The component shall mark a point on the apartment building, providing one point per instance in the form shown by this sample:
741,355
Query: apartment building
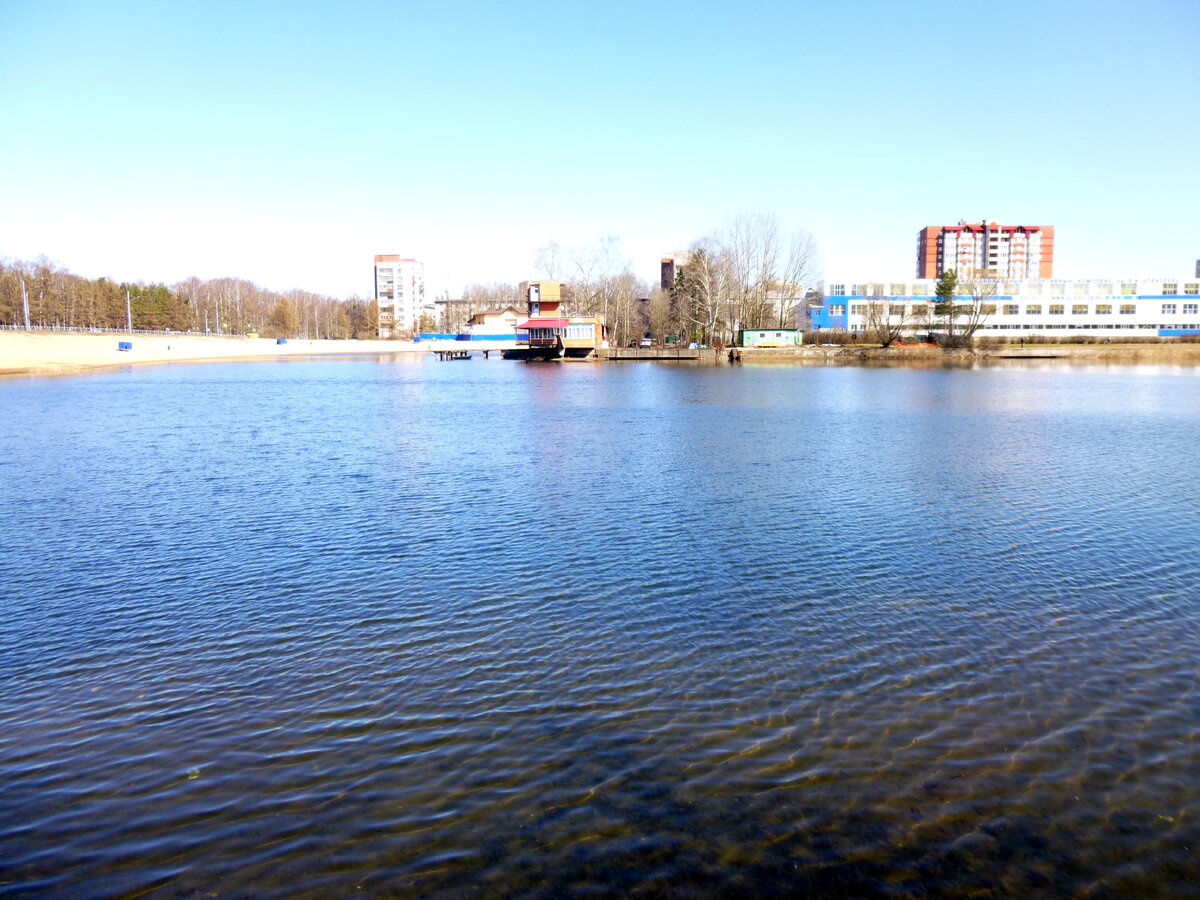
1103,307
400,295
1009,251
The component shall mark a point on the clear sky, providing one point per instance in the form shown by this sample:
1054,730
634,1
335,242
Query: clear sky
289,142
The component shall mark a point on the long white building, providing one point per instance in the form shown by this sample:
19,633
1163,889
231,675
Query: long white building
1107,307
400,294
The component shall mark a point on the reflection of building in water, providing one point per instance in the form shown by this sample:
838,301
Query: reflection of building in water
1090,306
549,332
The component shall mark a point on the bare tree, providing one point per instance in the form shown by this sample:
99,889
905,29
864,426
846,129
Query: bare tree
800,265
753,242
980,289
886,320
660,312
770,278
548,260
704,292
595,268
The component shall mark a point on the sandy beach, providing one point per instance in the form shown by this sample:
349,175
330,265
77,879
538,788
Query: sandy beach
57,353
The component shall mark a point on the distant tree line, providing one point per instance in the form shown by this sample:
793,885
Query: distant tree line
226,306
748,274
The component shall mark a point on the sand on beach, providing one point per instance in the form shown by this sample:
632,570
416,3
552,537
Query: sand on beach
64,353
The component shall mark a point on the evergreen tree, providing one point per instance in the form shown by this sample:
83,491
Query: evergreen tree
944,307
947,287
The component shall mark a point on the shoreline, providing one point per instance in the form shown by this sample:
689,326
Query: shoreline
37,353
46,353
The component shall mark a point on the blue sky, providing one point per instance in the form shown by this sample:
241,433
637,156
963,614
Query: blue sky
289,142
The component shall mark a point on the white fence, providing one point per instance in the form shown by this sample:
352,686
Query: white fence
70,329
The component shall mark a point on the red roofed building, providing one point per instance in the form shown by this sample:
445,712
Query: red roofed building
549,332
1007,251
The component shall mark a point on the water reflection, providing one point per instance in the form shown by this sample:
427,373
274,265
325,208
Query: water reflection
406,628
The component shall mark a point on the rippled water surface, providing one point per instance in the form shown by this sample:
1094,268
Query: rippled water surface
405,628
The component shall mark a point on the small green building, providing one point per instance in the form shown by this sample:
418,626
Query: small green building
772,337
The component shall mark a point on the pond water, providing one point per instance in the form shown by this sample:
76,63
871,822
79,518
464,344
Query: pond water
394,627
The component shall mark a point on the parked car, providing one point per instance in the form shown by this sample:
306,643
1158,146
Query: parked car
645,342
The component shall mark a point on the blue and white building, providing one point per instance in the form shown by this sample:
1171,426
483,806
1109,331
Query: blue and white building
1105,307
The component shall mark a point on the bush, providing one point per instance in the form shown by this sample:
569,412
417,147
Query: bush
1096,339
839,338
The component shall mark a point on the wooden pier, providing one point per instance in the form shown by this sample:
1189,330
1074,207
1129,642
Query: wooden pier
444,355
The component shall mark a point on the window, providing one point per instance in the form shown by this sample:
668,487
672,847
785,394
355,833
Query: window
1168,309
1104,309
1079,309
1056,309
896,290
1033,289
858,309
1170,288
837,290
837,309
1010,288
1033,309
1011,309
919,309
1080,289
1191,288
1128,309
1104,288
896,309
1128,290
1189,309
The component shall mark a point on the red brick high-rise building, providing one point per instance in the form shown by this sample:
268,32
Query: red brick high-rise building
1008,251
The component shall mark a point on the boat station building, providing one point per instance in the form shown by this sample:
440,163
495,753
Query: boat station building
1156,307
549,331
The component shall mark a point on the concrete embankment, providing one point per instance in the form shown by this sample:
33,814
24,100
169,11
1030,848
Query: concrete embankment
1128,354
65,353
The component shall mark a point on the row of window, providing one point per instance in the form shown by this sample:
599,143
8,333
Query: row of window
1014,309
1078,289
1106,327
